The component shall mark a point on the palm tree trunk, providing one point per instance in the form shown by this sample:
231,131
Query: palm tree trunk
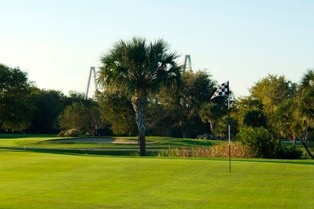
307,149
212,124
138,103
303,142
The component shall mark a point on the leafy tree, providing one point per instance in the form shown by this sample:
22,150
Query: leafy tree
116,110
242,106
15,107
255,118
215,111
184,104
47,105
159,119
221,127
271,92
139,69
210,113
78,97
81,117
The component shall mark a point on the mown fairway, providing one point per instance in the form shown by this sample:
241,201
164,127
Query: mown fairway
41,180
65,145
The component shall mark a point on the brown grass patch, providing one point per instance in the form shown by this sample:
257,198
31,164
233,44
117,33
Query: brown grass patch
237,150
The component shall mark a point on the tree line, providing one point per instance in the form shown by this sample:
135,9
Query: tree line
145,91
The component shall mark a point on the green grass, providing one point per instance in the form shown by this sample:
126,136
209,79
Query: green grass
42,180
53,143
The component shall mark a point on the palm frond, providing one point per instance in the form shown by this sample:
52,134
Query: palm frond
138,66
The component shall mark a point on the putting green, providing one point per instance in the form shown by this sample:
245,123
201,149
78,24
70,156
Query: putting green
39,180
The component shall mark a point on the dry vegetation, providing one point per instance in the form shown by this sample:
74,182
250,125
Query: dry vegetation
237,150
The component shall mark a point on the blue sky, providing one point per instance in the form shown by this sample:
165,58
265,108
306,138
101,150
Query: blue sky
56,41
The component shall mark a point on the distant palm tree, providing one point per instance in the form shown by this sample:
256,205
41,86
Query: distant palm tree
139,69
304,108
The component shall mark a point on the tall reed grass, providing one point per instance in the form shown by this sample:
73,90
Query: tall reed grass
237,150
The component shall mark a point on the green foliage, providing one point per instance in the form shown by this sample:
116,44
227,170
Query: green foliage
259,140
139,69
184,104
159,119
116,110
286,121
304,103
271,91
241,106
255,118
289,152
264,145
81,117
211,113
72,133
47,105
271,105
222,127
15,106
303,110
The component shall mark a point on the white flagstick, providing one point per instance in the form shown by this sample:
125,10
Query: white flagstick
223,90
229,144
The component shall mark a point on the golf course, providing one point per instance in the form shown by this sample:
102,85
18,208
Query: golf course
157,104
42,178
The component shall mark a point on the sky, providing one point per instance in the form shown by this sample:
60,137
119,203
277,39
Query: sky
57,41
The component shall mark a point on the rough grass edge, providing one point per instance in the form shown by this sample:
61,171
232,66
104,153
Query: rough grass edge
237,150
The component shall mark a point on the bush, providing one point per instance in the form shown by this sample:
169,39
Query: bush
205,136
264,145
61,133
286,152
70,133
259,140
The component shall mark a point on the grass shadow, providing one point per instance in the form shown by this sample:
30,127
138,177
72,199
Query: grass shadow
104,152
15,136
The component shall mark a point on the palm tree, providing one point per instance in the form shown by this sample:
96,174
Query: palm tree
304,108
139,69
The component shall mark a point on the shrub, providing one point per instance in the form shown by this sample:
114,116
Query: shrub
72,133
61,133
286,152
264,145
259,140
205,136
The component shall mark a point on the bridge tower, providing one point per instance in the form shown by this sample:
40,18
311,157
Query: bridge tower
91,71
187,61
